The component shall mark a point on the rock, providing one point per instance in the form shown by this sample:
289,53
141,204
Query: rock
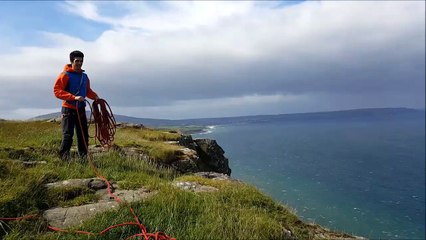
200,155
188,142
194,187
92,183
187,154
126,195
70,183
186,160
72,216
287,234
212,157
185,166
134,152
97,184
213,175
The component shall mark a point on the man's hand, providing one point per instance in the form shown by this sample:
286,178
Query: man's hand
79,98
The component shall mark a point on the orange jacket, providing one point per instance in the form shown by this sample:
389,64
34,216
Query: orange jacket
61,84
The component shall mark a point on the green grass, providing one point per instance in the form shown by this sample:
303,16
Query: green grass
236,211
29,134
150,142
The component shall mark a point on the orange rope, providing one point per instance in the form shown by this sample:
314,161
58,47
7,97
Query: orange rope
104,122
105,130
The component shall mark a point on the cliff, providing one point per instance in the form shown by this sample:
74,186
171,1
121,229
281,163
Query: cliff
175,184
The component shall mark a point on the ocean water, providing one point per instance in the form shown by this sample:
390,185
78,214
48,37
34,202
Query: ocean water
364,177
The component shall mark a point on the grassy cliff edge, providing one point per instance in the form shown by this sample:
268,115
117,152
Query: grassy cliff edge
28,161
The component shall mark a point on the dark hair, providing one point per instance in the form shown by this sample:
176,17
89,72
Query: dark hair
75,54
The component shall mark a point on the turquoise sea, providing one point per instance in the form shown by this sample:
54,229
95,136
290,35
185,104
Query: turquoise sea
361,176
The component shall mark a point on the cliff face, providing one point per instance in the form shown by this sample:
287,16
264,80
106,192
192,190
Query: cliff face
201,155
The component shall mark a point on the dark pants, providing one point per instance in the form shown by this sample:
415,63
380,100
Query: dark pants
69,122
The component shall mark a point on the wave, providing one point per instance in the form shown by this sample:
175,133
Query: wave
208,129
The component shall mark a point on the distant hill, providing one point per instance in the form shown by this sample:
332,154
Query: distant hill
119,118
354,114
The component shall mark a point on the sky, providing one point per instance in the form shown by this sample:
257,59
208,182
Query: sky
201,59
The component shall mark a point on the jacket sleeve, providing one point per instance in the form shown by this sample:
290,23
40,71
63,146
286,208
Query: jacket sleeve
59,88
90,93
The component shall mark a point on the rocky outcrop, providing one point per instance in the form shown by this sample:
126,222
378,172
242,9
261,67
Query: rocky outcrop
200,155
197,187
187,141
73,216
213,175
65,217
212,158
92,183
186,160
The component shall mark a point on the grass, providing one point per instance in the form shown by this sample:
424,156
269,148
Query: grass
236,211
151,142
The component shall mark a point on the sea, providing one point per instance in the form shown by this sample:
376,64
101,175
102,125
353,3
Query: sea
363,176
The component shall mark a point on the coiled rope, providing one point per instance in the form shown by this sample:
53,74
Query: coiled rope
104,133
104,122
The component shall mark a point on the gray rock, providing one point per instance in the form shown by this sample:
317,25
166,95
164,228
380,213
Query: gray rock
212,157
72,216
187,141
194,187
125,195
70,183
97,184
93,183
287,234
213,175
185,165
186,160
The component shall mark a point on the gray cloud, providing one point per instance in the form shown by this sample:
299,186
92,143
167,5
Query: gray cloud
307,57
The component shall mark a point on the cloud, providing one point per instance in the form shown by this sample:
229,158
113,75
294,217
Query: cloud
162,16
168,59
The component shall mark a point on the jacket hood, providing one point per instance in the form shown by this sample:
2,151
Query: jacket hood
68,68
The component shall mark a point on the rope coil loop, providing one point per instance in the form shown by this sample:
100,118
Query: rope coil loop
105,125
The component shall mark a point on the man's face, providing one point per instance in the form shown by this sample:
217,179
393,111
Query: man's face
77,63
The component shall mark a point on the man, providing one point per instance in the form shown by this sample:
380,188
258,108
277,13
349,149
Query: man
73,86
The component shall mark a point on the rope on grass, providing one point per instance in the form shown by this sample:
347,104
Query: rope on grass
105,130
